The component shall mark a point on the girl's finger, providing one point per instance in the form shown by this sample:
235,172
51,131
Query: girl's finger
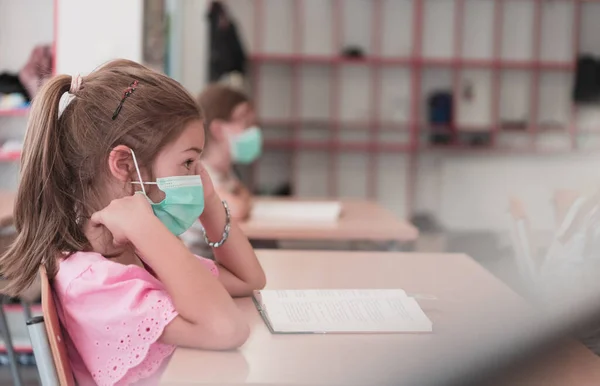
118,244
202,173
206,181
198,168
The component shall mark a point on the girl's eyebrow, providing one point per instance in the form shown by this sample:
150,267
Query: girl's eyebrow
193,148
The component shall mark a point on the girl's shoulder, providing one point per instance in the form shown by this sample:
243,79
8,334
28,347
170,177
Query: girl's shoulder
90,270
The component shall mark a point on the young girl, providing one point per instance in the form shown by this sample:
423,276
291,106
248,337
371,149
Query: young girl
109,179
232,138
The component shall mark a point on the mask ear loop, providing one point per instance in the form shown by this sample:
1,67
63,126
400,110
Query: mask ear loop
137,169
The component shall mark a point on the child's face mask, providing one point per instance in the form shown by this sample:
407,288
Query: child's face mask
183,203
246,146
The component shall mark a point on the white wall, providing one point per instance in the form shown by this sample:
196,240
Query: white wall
194,45
175,47
465,192
90,33
21,30
474,189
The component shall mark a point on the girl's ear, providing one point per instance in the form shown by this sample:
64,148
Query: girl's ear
120,163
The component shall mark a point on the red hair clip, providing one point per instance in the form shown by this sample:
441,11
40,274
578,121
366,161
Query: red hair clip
127,93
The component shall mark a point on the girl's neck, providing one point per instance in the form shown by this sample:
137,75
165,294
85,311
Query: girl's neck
101,242
129,257
217,157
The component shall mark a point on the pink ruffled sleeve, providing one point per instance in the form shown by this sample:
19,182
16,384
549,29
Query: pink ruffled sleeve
114,315
210,265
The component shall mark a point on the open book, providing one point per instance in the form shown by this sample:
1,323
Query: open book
341,311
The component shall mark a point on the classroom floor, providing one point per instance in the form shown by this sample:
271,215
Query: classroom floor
492,251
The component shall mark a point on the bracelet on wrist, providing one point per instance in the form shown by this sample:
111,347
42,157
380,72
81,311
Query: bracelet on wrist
225,231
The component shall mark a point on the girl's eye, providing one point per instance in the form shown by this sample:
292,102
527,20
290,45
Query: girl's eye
188,164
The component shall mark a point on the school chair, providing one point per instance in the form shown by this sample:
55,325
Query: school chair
47,341
8,345
563,199
7,233
522,242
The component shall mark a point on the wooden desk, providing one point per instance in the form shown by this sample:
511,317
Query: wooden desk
7,203
457,281
359,221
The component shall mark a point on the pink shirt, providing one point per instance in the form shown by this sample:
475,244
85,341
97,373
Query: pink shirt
113,316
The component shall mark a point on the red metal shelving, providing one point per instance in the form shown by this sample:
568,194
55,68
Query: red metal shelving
334,99
427,62
416,63
356,146
327,123
14,112
35,308
9,156
495,149
576,48
21,345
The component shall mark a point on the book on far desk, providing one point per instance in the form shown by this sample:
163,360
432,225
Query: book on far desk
297,211
341,311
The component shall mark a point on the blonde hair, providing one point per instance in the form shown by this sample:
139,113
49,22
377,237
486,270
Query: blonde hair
65,158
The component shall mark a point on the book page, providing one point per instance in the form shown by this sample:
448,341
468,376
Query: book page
343,311
332,293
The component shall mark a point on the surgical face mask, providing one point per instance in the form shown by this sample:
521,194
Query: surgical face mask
183,202
246,147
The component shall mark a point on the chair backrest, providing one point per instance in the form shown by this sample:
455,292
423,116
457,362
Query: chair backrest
522,242
563,200
55,336
41,350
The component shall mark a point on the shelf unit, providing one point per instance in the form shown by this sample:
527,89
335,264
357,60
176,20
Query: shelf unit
416,62
413,61
12,55
512,52
22,112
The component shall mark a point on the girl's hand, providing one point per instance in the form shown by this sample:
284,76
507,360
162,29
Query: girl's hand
207,184
213,216
124,216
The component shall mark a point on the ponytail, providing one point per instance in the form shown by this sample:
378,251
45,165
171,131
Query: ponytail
45,208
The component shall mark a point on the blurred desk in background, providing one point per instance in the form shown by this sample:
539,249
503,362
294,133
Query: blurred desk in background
358,221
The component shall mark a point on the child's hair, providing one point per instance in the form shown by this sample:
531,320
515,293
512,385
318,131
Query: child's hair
218,101
65,159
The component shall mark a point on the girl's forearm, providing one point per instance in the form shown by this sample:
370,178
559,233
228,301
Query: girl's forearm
198,297
236,254
238,205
